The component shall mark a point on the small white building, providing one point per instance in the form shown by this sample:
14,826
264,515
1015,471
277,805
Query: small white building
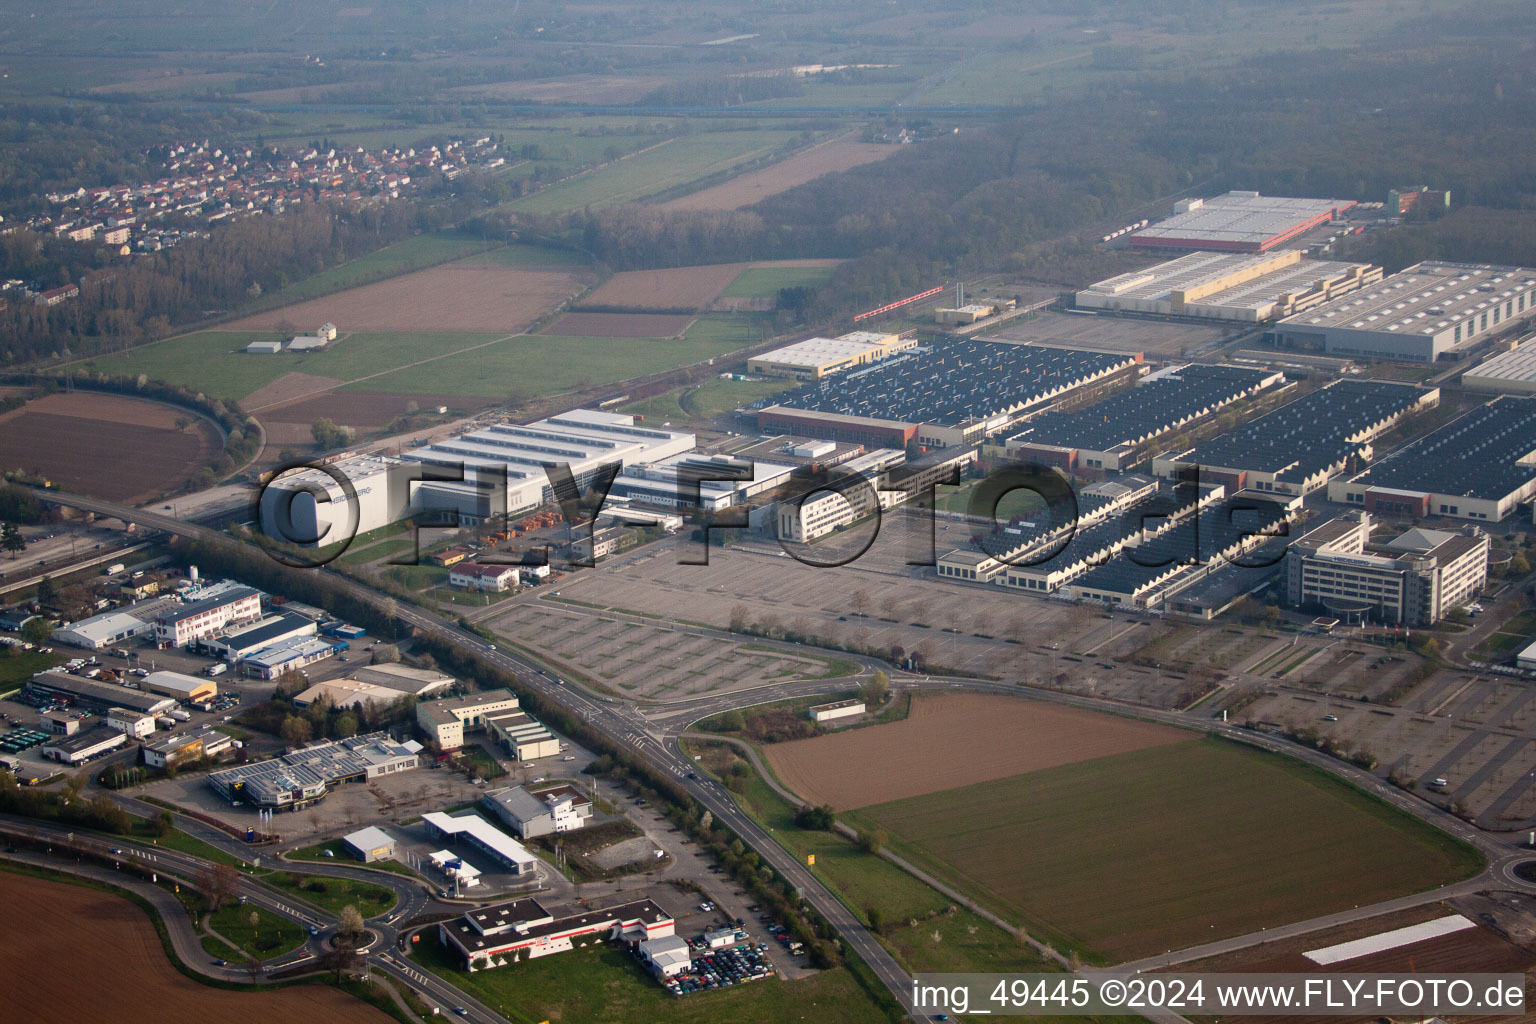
837,709
327,331
134,724
370,844
719,938
83,746
479,576
264,348
666,956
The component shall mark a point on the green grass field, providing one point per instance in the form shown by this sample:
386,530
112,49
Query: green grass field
17,666
602,982
707,400
762,282
1125,856
215,361
332,894
533,365
270,936
527,256
667,166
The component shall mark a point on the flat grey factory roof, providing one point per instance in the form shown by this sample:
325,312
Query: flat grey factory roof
1422,299
1241,218
1196,268
1518,364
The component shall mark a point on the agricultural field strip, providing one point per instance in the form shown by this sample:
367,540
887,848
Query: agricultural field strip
358,380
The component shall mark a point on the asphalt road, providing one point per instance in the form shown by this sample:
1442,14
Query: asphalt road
657,744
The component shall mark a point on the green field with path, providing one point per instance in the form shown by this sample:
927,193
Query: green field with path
1133,854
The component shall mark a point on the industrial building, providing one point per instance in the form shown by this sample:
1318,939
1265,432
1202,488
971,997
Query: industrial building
404,678
1417,315
816,510
183,687
837,709
1299,447
1511,373
102,630
370,844
446,721
558,810
1480,466
1415,579
483,836
666,956
1239,222
948,394
83,746
480,576
96,696
1053,545
177,749
699,480
1401,200
503,465
290,656
310,508
208,612
815,358
301,777
347,693
245,640
521,735
523,930
1113,434
1149,569
136,725
1242,287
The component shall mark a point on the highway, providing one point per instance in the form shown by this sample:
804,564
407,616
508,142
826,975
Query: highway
656,740
619,722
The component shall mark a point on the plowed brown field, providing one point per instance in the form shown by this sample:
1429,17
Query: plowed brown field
109,446
678,288
443,300
953,741
77,954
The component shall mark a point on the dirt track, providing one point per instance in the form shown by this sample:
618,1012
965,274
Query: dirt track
948,742
91,956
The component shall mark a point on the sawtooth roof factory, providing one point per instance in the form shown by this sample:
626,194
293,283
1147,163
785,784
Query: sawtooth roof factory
1418,314
1480,466
1107,434
1299,447
1239,222
1229,286
953,392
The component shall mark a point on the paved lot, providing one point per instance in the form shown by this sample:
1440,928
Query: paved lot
389,798
1111,334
